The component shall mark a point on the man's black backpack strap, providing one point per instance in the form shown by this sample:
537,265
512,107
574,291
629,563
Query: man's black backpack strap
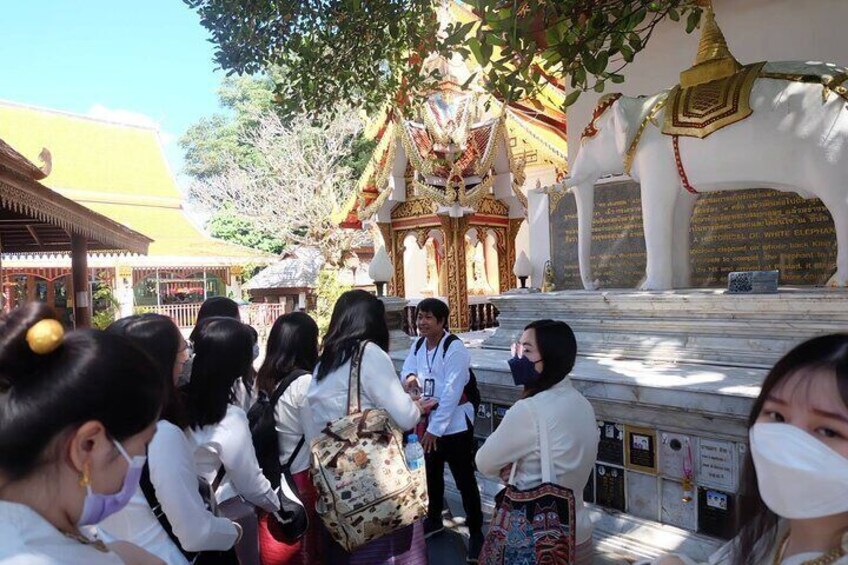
150,495
471,391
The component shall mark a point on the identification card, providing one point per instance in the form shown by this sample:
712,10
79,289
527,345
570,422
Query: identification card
429,388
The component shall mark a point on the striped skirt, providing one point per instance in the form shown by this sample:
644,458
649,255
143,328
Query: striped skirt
404,547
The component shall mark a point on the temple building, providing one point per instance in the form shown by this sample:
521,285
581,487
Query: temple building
446,190
119,170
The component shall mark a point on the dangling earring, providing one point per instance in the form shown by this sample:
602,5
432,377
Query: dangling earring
85,479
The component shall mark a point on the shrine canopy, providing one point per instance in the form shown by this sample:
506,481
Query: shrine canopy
522,134
119,170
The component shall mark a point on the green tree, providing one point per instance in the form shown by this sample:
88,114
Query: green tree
226,225
365,53
328,289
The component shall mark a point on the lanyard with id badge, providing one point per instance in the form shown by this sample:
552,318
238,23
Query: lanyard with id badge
429,381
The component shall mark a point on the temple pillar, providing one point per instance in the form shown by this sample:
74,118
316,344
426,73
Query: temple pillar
79,273
395,250
457,286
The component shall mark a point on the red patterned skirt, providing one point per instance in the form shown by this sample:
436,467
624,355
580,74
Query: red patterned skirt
309,550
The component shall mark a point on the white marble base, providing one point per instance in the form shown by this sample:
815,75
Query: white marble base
681,326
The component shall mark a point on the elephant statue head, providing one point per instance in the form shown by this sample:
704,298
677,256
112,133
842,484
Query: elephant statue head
604,144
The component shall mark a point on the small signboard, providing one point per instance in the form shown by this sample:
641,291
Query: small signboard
611,442
483,420
716,513
498,414
641,449
609,487
717,464
677,455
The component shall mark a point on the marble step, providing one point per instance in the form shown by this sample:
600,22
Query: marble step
680,326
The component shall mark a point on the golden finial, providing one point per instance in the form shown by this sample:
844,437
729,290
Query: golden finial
714,59
45,336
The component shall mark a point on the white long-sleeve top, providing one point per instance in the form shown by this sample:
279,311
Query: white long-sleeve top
28,539
572,439
290,417
449,371
379,388
174,478
229,443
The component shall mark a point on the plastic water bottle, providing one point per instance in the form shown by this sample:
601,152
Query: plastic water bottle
414,453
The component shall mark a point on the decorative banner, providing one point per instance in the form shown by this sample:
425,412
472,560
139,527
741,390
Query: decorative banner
742,230
641,449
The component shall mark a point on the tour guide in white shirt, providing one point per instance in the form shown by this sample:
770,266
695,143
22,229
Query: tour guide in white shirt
450,434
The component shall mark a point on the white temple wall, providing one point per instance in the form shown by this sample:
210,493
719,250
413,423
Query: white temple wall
414,268
756,30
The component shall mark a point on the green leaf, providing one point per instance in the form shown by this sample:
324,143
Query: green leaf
693,20
674,15
476,49
599,86
571,98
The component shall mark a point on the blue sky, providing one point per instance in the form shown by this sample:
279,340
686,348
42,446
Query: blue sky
138,60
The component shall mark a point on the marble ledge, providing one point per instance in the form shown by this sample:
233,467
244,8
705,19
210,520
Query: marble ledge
724,391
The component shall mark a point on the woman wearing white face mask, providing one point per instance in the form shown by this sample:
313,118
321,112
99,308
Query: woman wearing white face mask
72,438
797,469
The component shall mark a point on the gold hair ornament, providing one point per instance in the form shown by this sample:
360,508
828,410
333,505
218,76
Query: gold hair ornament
45,336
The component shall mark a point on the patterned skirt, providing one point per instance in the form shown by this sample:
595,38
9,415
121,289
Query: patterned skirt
309,550
403,547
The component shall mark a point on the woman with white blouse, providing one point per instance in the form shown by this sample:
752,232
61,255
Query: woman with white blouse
77,412
547,352
359,316
287,371
219,431
171,472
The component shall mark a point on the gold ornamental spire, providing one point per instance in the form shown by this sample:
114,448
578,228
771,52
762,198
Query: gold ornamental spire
714,59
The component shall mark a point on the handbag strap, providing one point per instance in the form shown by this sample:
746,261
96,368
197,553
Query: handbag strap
353,390
544,452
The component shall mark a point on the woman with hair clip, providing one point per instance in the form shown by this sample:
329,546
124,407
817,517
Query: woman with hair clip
72,438
358,317
167,516
286,373
796,470
219,430
550,408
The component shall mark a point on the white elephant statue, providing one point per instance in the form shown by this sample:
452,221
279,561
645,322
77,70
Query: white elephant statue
796,140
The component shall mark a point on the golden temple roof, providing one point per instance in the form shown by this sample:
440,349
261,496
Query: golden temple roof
118,170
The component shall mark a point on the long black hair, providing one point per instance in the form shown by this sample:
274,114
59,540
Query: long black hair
292,344
216,306
92,375
758,524
159,337
558,349
357,316
223,351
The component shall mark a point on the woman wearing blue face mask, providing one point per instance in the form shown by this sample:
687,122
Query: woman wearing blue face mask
797,465
72,437
551,412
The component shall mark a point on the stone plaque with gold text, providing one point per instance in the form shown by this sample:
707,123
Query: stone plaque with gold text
742,230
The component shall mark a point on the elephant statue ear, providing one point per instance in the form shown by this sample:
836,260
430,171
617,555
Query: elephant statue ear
626,118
